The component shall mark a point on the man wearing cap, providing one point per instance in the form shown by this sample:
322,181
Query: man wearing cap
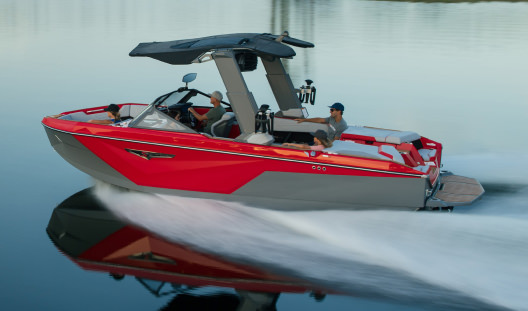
112,112
212,115
336,124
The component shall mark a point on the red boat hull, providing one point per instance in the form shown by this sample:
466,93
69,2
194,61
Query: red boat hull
195,165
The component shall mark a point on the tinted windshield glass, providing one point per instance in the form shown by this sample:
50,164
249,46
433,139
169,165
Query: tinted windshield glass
173,98
154,119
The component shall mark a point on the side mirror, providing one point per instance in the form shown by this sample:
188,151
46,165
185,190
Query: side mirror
190,77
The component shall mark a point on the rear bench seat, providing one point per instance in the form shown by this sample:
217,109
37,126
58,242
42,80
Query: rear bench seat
379,135
384,152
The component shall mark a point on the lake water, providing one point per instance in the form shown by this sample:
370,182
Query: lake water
453,72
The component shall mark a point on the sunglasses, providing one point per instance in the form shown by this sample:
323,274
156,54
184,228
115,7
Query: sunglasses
332,110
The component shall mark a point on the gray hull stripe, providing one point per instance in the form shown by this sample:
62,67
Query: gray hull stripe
239,154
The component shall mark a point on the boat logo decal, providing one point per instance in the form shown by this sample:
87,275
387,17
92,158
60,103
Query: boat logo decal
147,155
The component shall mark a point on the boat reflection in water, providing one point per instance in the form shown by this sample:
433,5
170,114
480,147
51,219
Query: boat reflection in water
95,239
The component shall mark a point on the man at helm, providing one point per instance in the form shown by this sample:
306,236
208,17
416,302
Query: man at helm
212,115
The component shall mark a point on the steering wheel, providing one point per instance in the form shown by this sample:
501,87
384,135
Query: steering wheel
192,118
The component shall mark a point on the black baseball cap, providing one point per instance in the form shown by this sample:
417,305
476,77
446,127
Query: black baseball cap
112,108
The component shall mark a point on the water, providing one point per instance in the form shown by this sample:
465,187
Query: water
453,72
426,257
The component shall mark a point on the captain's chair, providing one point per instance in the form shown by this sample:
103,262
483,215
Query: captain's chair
222,127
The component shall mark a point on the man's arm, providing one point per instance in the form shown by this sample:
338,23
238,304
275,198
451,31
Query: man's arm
104,122
297,146
313,120
198,116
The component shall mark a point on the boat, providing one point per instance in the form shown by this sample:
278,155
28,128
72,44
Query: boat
95,239
243,159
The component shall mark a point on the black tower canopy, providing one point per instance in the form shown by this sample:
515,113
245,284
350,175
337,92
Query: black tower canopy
182,52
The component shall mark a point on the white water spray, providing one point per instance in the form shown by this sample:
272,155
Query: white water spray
482,257
454,261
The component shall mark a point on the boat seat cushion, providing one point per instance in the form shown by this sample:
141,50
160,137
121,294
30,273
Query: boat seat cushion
422,168
83,117
427,154
384,152
391,152
379,135
222,127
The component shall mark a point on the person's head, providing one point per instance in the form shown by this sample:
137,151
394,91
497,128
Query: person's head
336,108
321,138
216,98
112,111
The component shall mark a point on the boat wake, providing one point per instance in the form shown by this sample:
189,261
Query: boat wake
456,261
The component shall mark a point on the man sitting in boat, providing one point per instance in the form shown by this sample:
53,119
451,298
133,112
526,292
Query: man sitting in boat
113,114
212,115
321,141
336,124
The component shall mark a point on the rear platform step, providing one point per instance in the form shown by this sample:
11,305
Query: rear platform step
454,191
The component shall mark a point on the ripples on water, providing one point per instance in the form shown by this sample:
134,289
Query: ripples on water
470,259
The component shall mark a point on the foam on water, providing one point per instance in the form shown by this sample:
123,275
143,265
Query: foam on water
455,260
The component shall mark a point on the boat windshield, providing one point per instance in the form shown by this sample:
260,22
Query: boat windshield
151,118
171,98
